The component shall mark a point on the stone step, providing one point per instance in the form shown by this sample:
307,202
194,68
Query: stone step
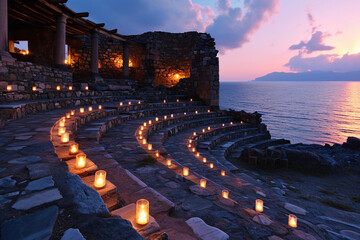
105,191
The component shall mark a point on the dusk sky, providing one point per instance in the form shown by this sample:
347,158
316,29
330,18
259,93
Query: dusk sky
255,37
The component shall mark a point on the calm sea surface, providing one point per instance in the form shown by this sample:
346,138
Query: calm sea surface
307,112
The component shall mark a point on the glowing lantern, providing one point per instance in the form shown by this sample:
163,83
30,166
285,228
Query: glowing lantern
157,154
34,88
193,149
100,179
142,212
190,140
259,205
72,112
144,124
139,102
70,88
191,100
189,145
142,128
149,147
150,122
223,173
194,133
208,110
80,160
209,128
129,103
204,160
203,130
156,119
164,101
211,165
68,115
61,123
231,123
198,154
203,183
90,109
168,162
177,100
223,125
292,221
165,117
225,194
58,88
140,137
172,115
100,107
144,141
82,110
140,132
74,148
185,113
121,103
87,88
8,88
65,137
241,122
177,76
185,171
196,112
61,130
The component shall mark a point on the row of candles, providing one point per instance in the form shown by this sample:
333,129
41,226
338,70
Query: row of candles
259,204
34,88
142,205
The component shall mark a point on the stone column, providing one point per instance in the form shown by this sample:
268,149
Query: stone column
4,34
95,55
60,39
126,60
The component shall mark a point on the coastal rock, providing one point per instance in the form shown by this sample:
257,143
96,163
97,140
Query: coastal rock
25,160
352,143
204,231
7,182
72,234
40,184
294,209
36,199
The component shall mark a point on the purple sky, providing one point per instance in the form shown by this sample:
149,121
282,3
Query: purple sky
255,37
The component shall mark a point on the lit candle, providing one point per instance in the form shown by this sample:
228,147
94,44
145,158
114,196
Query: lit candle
74,148
208,110
61,130
185,171
231,123
100,179
90,109
259,205
139,102
165,117
34,88
140,137
156,119
203,130
223,125
196,112
292,221
82,110
61,123
70,88
172,115
193,149
198,154
203,183
177,100
129,103
194,133
100,107
190,140
142,212
223,173
121,103
211,165
65,137
140,132
157,154
204,160
185,113
149,147
144,124
80,160
142,128
241,122
209,128
164,101
225,194
58,88
191,100
189,145
8,88
144,141
150,122
72,112
168,162
87,88
68,115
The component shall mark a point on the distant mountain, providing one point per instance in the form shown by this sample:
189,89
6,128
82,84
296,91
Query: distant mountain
311,76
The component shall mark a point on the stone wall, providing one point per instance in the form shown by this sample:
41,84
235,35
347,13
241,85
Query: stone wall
24,75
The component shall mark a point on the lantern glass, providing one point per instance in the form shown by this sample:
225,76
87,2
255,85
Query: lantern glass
165,117
129,103
184,113
68,115
140,137
204,160
196,112
70,88
209,128
62,123
203,183
61,130
149,147
193,149
8,88
198,154
82,110
185,171
142,212
150,122
145,124
211,165
58,88
259,205
172,115
139,102
87,88
225,194
292,221
203,130
80,160
164,101
100,179
90,109
74,148
194,133
72,112
100,107
144,141
223,173
34,88
168,162
157,154
177,100
142,128
121,103
65,137
156,119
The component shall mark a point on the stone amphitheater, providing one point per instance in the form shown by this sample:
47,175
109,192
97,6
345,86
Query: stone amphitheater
170,145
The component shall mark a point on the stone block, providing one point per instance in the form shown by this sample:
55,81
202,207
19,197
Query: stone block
107,190
40,184
72,234
90,167
204,231
37,199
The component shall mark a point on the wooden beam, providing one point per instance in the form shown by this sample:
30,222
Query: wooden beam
100,25
58,1
82,14
113,31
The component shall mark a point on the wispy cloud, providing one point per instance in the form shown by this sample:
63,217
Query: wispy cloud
316,43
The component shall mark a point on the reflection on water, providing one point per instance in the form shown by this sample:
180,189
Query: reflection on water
308,112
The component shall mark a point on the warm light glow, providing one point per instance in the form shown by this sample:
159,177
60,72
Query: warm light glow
157,154
177,100
203,130
72,112
208,110
150,122
90,109
193,149
144,141
189,145
121,103
70,88
165,117
58,88
140,132
100,107
8,88
203,183
144,124
259,205
142,128
198,154
164,101
74,148
100,179
168,162
61,123
185,171
191,100
34,88
185,113
82,110
156,119
223,125
65,137
142,212
225,194
87,88
209,128
139,102
194,133
204,160
61,130
80,160
231,123
68,115
223,173
176,76
172,115
140,137
292,221
190,140
241,122
129,103
196,112
149,147
211,165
